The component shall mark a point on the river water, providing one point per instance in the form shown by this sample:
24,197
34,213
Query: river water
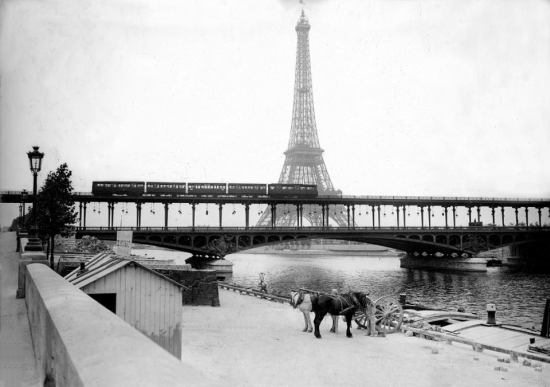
520,297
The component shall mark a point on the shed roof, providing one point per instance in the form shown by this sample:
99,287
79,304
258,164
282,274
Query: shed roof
104,264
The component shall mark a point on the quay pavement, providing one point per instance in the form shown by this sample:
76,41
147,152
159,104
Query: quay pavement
17,361
253,342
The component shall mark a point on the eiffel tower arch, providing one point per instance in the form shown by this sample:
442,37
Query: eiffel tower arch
304,162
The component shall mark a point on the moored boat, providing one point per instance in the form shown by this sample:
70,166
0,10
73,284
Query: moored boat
468,328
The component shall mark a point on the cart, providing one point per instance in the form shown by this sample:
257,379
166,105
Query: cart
388,314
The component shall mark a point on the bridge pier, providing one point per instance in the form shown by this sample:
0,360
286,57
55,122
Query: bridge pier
432,262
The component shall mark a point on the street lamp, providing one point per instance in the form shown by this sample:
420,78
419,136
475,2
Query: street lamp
35,160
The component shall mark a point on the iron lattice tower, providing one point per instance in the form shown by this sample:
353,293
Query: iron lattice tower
304,162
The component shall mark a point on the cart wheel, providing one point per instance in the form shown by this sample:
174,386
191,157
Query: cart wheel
360,317
388,314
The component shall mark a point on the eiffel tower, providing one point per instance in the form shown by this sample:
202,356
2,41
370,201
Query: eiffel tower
304,162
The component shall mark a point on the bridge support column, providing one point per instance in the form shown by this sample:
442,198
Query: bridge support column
138,215
429,217
193,210
493,214
301,215
109,224
446,221
113,215
404,216
166,215
454,216
221,211
349,225
478,214
540,217
422,216
273,214
502,211
527,216
378,217
517,220
373,219
85,205
79,214
247,215
397,213
327,217
469,214
444,263
353,216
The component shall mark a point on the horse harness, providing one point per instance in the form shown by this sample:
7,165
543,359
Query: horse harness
300,299
351,303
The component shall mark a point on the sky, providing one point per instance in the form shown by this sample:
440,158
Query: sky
415,98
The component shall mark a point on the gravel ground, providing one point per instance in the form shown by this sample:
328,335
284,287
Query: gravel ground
252,342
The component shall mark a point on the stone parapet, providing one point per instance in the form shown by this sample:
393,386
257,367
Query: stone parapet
26,258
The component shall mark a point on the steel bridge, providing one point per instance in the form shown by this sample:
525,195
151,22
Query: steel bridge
322,204
450,240
216,242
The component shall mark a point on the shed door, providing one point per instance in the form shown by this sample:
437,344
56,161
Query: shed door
108,300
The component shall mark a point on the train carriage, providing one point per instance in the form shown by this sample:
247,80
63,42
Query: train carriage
172,189
166,188
246,189
292,190
110,188
206,188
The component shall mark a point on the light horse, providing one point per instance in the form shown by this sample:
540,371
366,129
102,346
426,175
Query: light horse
303,302
345,305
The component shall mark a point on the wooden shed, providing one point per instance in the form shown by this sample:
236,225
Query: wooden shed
145,299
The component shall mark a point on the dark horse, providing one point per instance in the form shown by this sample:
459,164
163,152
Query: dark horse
345,305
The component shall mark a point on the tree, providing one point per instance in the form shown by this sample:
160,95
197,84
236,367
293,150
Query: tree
55,207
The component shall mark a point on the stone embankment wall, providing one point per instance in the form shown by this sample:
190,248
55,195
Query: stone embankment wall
203,284
78,342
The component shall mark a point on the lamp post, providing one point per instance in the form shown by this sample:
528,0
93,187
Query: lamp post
35,160
24,195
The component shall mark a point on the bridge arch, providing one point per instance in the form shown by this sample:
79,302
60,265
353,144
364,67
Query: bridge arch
428,238
441,239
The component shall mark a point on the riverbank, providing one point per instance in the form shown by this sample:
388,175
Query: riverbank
252,342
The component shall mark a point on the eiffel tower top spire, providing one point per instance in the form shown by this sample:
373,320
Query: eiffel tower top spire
303,132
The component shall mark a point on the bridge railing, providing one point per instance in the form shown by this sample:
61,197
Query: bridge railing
367,197
314,229
457,198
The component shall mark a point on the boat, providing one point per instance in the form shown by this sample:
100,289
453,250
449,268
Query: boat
470,329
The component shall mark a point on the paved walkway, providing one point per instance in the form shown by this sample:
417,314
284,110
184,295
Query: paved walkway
17,363
253,342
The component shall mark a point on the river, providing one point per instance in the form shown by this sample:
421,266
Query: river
519,296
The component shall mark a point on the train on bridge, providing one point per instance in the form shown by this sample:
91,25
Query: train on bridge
175,189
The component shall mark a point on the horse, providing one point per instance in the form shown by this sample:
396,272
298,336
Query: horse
303,301
345,305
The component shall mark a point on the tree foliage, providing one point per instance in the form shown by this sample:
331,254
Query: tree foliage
55,207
